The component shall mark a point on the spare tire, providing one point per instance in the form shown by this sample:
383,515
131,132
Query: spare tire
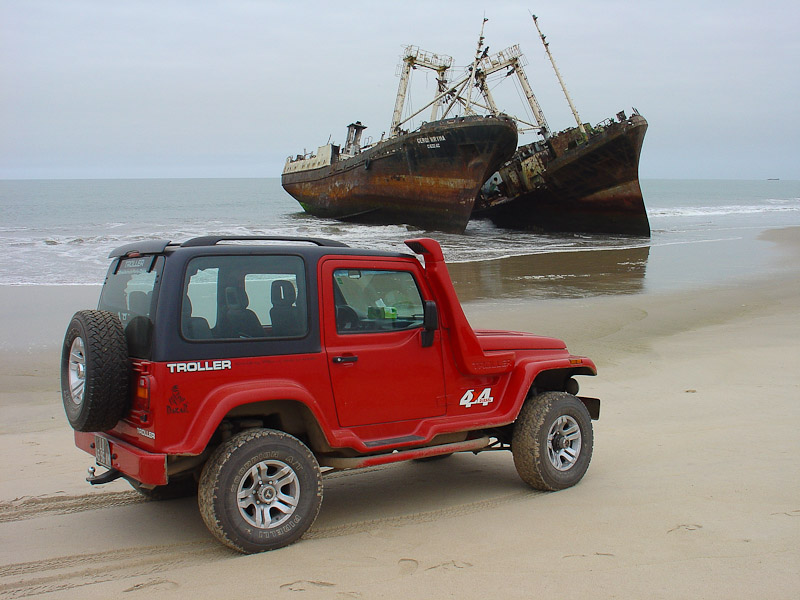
95,371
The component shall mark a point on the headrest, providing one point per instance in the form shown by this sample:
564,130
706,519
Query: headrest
283,293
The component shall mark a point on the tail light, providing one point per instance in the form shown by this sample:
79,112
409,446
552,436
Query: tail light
140,405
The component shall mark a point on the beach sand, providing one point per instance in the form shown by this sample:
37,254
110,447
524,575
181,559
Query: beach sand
693,490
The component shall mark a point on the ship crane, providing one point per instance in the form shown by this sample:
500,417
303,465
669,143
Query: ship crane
513,59
460,92
413,57
510,58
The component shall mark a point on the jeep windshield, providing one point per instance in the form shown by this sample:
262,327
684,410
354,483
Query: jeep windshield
130,292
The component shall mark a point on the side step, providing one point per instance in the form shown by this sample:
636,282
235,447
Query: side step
372,460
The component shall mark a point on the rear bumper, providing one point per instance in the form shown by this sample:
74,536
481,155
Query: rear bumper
134,463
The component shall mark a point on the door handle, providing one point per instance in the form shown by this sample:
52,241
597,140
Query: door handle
344,359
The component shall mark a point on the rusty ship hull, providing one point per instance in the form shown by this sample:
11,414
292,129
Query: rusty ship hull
428,178
574,183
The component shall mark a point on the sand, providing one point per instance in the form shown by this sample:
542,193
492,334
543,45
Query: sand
693,490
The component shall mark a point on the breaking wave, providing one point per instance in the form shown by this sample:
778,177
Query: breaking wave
773,206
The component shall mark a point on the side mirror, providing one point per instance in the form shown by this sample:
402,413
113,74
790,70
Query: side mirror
430,323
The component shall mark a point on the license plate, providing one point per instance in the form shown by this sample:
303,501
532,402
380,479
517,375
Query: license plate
102,451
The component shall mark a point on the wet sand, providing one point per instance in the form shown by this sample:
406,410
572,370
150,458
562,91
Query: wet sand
692,491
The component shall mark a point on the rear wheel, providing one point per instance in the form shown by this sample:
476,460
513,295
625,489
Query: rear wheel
260,490
94,371
552,441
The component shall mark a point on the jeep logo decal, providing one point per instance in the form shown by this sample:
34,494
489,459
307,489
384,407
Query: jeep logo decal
203,365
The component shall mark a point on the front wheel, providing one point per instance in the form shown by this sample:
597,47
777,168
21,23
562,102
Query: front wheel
260,490
552,441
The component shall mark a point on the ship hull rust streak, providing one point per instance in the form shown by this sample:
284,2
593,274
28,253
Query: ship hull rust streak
429,178
590,188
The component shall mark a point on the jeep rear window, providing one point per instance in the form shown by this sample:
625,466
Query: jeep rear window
244,297
129,292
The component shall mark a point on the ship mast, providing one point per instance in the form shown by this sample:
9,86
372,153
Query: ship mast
558,75
473,69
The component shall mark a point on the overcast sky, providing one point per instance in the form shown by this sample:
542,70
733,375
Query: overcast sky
193,88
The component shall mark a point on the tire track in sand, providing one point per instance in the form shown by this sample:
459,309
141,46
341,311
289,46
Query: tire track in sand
61,573
418,517
20,580
29,507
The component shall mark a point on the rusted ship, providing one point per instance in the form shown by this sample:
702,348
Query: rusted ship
429,177
573,182
583,179
453,169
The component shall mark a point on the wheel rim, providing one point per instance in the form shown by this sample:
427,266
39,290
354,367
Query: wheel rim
268,494
77,370
564,443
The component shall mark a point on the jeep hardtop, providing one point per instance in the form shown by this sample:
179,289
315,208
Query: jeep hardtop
241,369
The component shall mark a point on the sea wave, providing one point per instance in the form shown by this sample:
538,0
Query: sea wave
46,241
716,211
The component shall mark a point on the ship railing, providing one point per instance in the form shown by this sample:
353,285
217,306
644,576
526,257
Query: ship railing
437,62
605,123
504,56
299,157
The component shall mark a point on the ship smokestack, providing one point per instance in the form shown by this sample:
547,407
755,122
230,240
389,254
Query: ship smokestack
353,144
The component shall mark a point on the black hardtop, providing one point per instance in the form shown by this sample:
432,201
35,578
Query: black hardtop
315,247
166,342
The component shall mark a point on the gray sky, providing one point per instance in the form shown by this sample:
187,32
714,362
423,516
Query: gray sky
193,88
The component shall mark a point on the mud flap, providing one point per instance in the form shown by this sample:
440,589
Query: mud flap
592,405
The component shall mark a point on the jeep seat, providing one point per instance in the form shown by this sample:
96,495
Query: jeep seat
284,315
238,321
194,328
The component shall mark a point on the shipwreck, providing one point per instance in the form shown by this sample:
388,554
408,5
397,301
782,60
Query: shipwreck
456,168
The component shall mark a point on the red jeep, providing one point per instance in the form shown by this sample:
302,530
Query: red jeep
243,368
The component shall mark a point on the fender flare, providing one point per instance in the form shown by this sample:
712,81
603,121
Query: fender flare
226,398
526,373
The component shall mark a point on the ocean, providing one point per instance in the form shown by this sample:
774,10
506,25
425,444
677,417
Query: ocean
703,232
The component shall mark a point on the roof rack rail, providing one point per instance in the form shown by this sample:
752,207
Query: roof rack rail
213,240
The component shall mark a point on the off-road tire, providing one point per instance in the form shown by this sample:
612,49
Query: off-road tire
236,467
94,358
533,447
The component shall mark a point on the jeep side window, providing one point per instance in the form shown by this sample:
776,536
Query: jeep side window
376,300
244,297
